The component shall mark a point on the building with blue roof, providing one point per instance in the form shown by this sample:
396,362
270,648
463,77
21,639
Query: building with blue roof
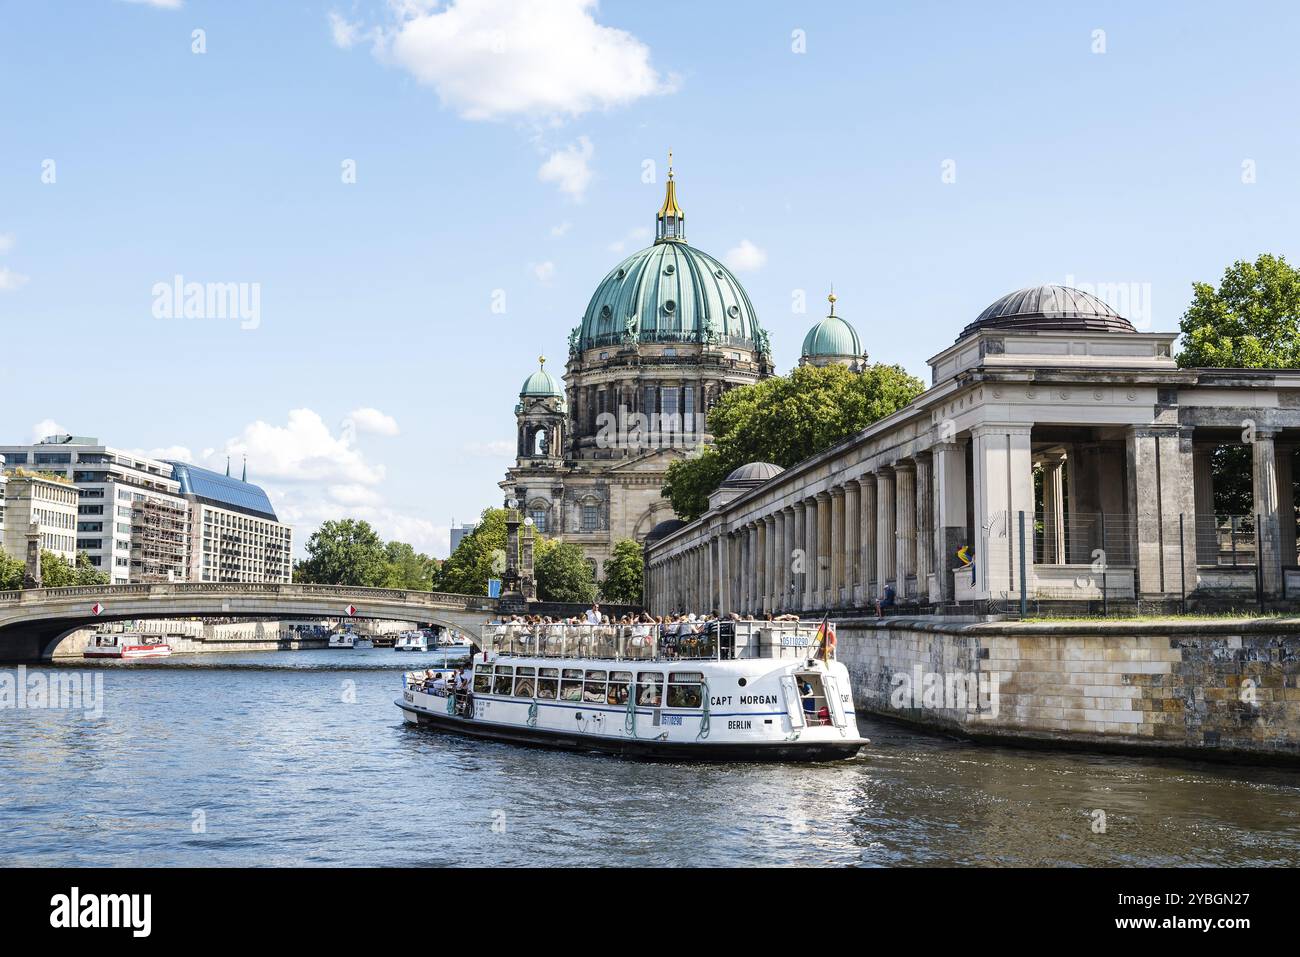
235,533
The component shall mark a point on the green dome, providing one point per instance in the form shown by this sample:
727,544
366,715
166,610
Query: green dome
541,384
670,292
831,337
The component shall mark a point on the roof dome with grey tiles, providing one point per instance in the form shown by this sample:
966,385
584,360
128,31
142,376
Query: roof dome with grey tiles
753,473
1049,309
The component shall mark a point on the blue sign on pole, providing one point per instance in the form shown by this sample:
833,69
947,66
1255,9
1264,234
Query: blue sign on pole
494,588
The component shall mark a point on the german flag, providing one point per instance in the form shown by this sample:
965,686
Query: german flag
826,638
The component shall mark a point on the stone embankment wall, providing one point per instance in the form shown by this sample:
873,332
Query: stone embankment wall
1215,689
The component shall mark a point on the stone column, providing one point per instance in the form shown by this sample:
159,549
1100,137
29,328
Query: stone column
798,566
905,527
1286,504
867,562
1265,485
924,526
1160,489
852,543
823,590
754,566
1207,544
770,564
836,598
886,544
950,519
1003,488
1053,511
781,584
764,565
810,554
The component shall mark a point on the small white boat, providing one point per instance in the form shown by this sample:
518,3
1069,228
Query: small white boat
411,641
728,691
343,639
127,645
454,643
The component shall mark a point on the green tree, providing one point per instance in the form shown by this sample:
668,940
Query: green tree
346,552
1251,321
623,574
11,572
56,571
563,572
84,573
784,420
407,569
480,555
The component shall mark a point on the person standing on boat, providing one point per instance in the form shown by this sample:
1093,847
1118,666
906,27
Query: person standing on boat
593,614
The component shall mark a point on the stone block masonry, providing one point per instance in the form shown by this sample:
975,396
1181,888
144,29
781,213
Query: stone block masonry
1207,689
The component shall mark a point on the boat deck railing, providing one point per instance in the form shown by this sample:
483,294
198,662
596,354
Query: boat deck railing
717,640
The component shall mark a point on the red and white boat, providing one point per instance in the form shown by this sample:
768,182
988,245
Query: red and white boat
127,645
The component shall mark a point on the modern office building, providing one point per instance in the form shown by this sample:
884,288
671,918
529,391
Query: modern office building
111,482
46,505
234,534
458,533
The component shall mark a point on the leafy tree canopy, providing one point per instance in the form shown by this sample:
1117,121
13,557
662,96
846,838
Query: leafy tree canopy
480,555
11,572
345,552
58,572
624,574
1251,321
784,420
563,572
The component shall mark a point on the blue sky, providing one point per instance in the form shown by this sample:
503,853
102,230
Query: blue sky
924,157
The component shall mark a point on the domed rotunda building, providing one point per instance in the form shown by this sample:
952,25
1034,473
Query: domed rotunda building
666,333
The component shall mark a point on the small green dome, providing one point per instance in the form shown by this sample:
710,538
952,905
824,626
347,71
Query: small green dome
541,384
831,337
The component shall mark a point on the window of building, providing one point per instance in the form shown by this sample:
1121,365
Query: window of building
590,518
648,400
538,516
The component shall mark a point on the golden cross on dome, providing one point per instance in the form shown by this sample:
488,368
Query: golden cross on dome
831,299
670,164
541,361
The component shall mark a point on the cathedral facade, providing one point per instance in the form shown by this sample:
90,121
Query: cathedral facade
667,332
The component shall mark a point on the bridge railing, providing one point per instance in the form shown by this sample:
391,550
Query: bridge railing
342,593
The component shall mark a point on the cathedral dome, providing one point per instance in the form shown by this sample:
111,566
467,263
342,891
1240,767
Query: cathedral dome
753,472
670,292
541,384
1049,309
832,338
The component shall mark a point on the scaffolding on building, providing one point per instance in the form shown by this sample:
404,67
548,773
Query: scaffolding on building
160,536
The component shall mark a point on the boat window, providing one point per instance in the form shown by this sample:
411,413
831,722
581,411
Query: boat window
594,689
620,683
525,681
684,689
649,689
504,676
571,685
483,681
548,684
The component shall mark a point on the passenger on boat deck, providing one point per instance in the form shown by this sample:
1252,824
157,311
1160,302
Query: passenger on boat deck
809,701
593,614
439,686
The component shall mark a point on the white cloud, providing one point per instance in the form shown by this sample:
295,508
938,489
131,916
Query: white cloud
491,449
354,495
368,421
10,280
171,453
7,241
161,4
46,427
544,271
490,59
303,449
569,168
635,237
746,257
345,33
560,230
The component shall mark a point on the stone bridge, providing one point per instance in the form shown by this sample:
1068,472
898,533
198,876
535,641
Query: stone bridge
34,621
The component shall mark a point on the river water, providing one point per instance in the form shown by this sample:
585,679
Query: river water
283,758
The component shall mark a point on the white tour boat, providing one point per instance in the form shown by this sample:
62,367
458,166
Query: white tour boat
411,641
342,639
733,690
127,645
454,643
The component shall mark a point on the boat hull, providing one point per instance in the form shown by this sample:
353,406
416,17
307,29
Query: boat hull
634,747
144,651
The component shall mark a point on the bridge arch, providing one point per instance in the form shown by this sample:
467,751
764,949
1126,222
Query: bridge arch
34,622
